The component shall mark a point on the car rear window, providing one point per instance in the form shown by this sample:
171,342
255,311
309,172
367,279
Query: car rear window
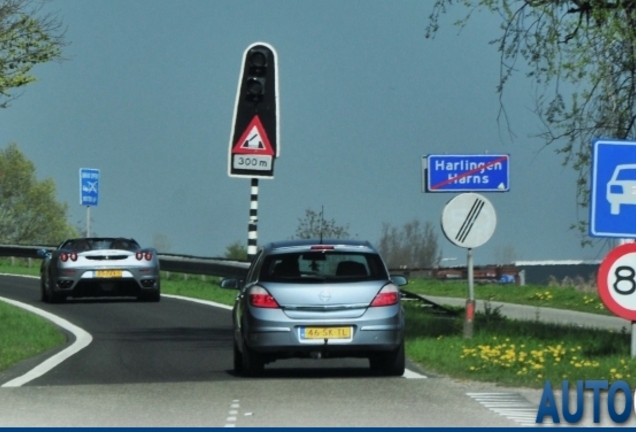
88,244
332,266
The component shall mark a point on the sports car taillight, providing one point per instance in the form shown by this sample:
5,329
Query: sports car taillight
259,297
389,295
66,256
141,255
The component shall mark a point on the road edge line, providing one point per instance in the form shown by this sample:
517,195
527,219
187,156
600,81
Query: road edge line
82,340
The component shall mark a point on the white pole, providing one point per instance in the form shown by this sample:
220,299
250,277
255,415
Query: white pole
88,221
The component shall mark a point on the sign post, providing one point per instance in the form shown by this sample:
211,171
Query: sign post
468,221
254,142
89,192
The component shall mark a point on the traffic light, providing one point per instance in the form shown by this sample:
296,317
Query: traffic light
254,143
255,81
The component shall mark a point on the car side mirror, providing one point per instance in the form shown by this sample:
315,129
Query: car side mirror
43,253
399,280
230,283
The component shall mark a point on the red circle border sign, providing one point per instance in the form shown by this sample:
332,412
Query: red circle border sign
602,281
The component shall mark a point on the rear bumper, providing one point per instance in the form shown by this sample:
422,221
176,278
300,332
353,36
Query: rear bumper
134,284
282,339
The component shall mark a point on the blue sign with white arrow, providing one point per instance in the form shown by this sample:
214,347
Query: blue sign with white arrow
467,173
613,189
89,186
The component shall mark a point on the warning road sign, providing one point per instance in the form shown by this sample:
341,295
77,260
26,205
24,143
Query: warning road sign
616,281
254,140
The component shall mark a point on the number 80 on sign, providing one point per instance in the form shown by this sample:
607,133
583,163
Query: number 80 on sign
616,281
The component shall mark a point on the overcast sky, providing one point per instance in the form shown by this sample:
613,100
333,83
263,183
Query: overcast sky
147,96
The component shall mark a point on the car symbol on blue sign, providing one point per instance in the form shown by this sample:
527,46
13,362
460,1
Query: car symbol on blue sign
89,187
613,189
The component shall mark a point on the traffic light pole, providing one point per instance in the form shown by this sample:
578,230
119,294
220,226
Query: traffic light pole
252,231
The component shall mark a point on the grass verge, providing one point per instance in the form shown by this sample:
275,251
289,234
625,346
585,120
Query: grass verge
24,335
559,296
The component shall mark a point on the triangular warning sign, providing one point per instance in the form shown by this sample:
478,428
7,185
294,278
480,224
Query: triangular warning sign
254,140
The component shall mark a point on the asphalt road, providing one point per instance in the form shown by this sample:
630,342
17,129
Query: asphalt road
169,364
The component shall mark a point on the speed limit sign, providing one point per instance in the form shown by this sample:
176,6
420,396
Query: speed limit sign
616,281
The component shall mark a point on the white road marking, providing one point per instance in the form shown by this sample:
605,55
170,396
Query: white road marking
513,406
82,340
231,420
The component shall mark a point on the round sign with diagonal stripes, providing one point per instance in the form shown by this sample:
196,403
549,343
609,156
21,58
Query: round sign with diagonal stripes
469,220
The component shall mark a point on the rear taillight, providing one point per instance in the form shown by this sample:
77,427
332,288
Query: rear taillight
389,295
259,297
66,256
141,255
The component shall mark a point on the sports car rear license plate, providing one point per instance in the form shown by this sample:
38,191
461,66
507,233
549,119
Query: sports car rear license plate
325,333
108,273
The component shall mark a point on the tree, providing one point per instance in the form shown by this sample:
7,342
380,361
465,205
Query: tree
314,226
27,38
29,212
236,251
414,245
581,54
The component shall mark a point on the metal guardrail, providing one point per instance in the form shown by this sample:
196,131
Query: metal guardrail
220,267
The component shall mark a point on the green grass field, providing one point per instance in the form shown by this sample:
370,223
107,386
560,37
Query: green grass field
503,351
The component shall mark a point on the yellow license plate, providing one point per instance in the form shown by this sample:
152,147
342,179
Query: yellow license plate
325,333
108,273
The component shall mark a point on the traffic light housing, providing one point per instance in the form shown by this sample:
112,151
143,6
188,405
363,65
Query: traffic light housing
256,104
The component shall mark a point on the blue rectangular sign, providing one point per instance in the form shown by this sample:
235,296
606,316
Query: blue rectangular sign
613,189
89,186
467,173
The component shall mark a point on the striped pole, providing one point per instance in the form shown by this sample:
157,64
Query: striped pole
252,233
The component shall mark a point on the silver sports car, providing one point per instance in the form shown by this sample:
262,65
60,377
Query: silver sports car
99,266
318,299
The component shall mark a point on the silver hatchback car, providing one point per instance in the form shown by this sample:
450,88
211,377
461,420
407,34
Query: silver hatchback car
318,299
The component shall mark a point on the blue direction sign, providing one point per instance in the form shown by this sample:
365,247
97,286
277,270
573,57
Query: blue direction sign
613,189
467,173
89,186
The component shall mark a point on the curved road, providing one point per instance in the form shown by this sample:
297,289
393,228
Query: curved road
169,364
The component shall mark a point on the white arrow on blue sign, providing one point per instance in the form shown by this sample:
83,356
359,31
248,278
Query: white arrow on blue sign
466,173
89,186
613,189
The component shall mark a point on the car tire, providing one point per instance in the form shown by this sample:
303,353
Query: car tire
392,363
252,363
44,296
238,359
